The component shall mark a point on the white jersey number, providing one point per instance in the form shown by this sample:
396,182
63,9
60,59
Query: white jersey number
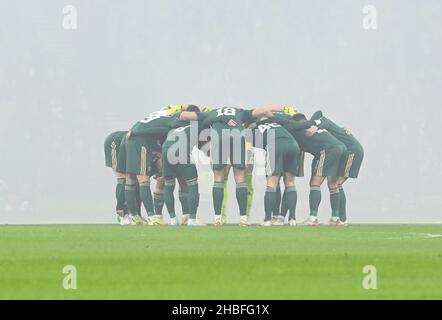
266,126
153,116
180,129
226,112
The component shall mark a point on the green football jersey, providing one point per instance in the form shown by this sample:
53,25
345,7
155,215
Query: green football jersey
188,131
268,129
321,140
315,144
223,115
206,119
289,123
339,133
116,137
155,127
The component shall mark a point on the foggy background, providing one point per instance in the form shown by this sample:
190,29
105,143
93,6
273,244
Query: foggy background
63,91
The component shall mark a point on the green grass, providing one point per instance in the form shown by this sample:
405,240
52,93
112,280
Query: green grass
220,263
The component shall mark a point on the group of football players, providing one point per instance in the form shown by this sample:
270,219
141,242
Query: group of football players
161,147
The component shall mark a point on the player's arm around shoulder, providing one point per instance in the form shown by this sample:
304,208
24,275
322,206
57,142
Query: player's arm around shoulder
188,116
262,112
325,123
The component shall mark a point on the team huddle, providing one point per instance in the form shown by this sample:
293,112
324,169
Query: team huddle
160,147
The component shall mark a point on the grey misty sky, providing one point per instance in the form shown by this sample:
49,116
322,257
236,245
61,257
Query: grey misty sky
62,92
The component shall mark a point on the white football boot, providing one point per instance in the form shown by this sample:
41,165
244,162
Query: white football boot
292,223
139,220
195,223
267,223
173,221
156,220
126,221
217,221
334,221
243,221
119,215
184,219
278,221
311,221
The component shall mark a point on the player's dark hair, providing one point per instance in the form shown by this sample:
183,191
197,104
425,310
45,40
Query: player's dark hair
193,108
299,117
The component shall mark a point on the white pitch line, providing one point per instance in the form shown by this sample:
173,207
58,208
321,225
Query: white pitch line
430,235
417,236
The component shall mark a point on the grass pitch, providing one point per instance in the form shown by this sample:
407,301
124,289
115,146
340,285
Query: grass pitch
231,262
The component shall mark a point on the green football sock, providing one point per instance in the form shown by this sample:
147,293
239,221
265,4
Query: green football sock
269,202
290,199
334,201
184,200
193,198
342,205
158,202
277,210
225,196
146,197
314,200
138,198
131,200
249,181
119,194
241,197
218,195
169,199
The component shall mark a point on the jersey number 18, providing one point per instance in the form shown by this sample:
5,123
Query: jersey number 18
226,112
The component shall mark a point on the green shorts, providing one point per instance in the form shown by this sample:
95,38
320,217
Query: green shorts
351,162
228,151
301,158
328,162
250,155
186,170
139,159
284,157
111,150
121,158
